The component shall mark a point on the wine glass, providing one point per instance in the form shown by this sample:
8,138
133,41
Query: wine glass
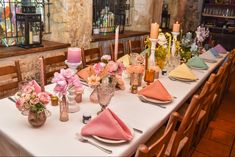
105,93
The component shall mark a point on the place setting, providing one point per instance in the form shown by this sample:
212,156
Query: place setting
182,73
155,94
105,129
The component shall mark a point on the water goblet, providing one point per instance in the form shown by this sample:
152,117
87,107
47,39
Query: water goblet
105,93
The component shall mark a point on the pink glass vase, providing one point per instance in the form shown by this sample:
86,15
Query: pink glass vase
64,108
37,119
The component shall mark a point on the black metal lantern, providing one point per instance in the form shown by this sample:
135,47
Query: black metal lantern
165,21
120,20
29,30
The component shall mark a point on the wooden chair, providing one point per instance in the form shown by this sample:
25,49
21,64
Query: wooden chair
121,50
181,140
91,56
12,74
52,65
159,147
135,46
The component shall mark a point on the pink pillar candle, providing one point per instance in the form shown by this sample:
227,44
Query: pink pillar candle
176,27
154,31
42,73
74,55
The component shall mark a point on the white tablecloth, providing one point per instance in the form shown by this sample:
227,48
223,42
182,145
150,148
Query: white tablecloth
56,138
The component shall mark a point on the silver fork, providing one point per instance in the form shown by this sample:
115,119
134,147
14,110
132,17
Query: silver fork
86,140
145,101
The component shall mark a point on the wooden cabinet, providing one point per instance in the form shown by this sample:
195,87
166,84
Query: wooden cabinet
219,17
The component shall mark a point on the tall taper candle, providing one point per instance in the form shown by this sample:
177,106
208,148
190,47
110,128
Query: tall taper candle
176,27
116,43
42,73
154,31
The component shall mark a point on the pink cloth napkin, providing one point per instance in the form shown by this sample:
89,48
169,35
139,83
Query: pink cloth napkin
36,87
107,125
220,49
156,91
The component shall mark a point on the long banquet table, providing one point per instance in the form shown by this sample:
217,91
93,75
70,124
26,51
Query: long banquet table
57,138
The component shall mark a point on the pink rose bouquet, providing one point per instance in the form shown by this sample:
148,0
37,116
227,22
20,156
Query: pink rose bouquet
115,67
138,69
30,99
66,80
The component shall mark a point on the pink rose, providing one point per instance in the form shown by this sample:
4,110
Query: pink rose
20,103
112,67
67,73
44,97
60,89
98,67
34,101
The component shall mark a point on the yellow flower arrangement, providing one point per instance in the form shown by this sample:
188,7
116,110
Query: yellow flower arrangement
160,53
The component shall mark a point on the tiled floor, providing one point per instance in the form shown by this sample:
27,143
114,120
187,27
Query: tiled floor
219,139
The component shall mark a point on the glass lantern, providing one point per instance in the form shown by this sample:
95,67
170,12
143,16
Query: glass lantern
29,30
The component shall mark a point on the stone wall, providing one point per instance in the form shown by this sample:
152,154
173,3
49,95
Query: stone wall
71,22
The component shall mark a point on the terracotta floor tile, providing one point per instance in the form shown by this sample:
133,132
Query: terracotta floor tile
223,125
219,136
198,154
225,115
211,148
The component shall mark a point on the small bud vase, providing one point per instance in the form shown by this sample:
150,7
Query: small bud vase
64,116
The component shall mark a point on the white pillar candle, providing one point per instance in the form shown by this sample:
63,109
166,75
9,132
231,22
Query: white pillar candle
116,43
154,31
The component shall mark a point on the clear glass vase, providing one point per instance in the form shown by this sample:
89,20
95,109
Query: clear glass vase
94,95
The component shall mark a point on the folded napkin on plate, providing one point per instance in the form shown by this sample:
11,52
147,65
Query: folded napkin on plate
107,125
208,56
220,49
37,87
125,60
156,91
86,72
183,72
197,62
214,52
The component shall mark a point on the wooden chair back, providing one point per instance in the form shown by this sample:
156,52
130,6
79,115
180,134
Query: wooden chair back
186,128
91,56
14,73
51,65
159,147
121,50
135,46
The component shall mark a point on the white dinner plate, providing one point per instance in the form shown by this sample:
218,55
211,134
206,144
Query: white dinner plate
209,61
197,68
105,140
181,79
155,100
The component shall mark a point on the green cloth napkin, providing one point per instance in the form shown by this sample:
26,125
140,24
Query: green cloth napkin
197,62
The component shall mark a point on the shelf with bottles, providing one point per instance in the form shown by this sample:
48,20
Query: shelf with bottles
221,12
218,16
